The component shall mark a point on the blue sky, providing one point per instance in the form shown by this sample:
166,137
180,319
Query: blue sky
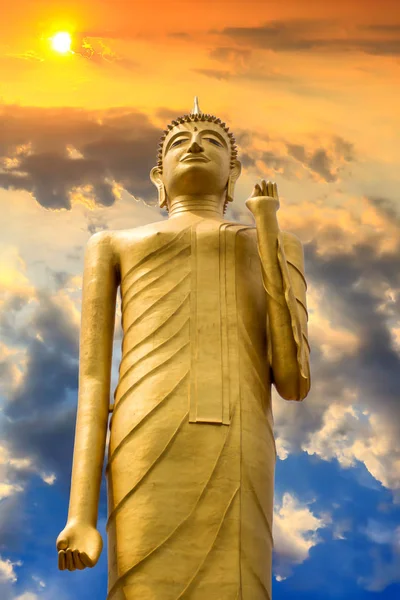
312,94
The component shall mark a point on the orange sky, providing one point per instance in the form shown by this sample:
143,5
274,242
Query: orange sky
144,55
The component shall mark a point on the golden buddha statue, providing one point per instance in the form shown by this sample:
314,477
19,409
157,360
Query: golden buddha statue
213,313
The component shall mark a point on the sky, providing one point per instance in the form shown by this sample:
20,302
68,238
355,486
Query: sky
311,92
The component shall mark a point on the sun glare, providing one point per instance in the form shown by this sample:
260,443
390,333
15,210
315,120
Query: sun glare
61,42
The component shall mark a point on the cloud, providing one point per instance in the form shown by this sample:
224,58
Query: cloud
38,419
232,55
39,407
12,272
352,413
349,436
239,64
94,48
295,533
385,555
9,489
214,73
65,155
326,163
313,35
7,571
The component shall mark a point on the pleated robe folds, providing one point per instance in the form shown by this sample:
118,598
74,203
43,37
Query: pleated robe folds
192,453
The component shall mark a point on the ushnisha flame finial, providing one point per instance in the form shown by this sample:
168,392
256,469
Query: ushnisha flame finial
196,108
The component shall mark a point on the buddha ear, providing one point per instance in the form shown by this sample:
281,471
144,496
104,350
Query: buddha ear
156,178
234,174
235,171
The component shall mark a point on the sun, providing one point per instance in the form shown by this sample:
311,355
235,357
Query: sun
61,42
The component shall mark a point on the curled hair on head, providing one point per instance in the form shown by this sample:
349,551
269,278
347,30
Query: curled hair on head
195,116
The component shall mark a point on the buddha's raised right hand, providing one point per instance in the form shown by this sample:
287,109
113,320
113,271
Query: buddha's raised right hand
79,546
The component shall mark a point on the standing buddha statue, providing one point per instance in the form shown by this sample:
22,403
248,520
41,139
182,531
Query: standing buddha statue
213,313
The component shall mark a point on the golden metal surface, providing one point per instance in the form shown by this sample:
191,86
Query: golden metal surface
213,313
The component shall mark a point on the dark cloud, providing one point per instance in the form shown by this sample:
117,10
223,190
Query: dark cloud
345,149
247,160
383,27
55,151
235,56
323,163
387,208
298,152
180,35
60,278
255,73
214,73
95,225
305,35
39,413
39,410
276,161
376,367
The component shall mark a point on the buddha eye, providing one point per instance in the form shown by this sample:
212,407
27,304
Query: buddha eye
178,142
214,141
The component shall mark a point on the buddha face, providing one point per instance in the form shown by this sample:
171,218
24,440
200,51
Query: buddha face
196,160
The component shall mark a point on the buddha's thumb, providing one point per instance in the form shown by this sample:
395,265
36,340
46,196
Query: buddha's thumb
62,543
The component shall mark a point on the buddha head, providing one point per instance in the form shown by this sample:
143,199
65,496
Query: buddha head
198,158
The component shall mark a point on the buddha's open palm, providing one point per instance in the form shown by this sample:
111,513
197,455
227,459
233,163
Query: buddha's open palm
79,546
266,188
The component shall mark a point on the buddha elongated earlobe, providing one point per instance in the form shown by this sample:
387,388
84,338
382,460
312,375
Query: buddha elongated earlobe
230,187
155,176
162,196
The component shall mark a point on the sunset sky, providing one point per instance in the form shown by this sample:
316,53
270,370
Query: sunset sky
312,94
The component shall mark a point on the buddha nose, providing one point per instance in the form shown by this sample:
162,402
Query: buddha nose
195,147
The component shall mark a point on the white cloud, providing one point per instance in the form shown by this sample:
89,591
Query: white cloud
48,478
39,581
13,271
7,572
295,533
27,596
9,489
350,435
282,448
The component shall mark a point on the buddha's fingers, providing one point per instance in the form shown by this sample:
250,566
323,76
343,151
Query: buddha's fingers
270,189
263,188
77,560
85,559
69,561
275,190
256,191
61,560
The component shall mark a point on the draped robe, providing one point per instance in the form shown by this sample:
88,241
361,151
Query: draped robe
192,453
